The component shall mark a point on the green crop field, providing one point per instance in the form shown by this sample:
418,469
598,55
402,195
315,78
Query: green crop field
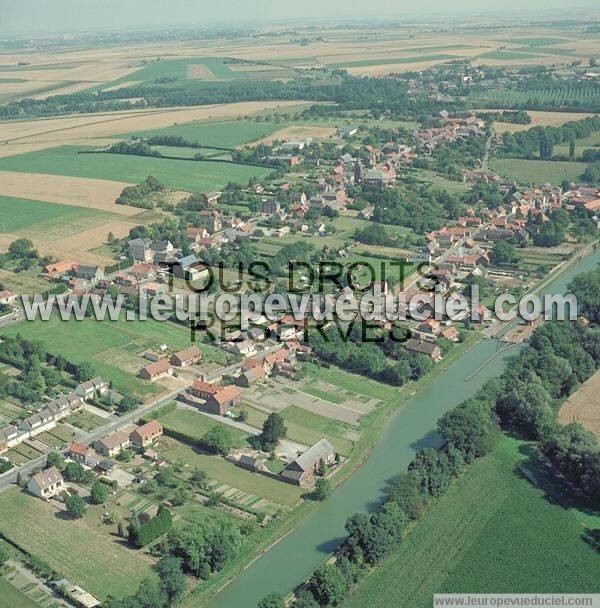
575,97
76,549
538,171
14,598
224,134
180,174
105,344
507,55
471,539
17,214
538,41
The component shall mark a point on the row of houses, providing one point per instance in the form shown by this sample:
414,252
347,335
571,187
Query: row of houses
51,413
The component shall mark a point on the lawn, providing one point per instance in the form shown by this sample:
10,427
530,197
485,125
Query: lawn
351,382
230,474
179,174
471,539
17,214
194,425
79,550
538,171
14,598
307,428
223,134
105,345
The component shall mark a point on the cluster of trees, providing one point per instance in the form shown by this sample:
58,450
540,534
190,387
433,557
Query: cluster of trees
413,206
143,533
138,148
207,545
137,196
217,440
540,141
375,234
369,359
516,117
163,592
21,256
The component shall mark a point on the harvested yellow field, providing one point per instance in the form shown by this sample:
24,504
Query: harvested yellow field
583,406
123,85
538,118
77,191
24,136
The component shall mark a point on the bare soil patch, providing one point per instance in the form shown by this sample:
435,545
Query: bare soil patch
538,118
583,406
296,132
198,71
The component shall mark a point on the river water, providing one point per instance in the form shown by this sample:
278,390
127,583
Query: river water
411,428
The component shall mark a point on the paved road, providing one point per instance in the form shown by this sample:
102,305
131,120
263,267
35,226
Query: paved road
11,476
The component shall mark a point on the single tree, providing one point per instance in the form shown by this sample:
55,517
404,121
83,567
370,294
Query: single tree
273,430
75,506
99,492
322,489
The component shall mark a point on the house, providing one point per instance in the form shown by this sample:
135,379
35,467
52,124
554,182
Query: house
218,399
301,471
112,444
270,206
89,273
345,132
211,198
451,334
7,297
251,464
79,452
46,484
144,435
57,269
186,357
189,267
156,370
418,347
91,388
140,250
254,375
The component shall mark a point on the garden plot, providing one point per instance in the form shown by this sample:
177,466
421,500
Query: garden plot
315,396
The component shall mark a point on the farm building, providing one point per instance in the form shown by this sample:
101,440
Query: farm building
217,399
302,470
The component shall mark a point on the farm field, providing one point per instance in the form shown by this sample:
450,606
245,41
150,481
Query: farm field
538,171
471,538
539,118
114,348
75,549
583,406
507,98
181,175
222,134
24,216
74,191
37,134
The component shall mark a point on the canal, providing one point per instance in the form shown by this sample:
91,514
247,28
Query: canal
410,429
